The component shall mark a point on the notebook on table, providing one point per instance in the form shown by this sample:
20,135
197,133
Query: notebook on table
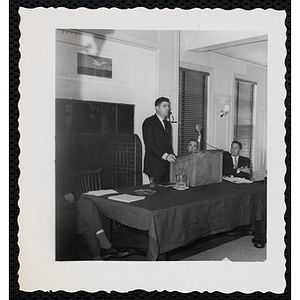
101,192
125,198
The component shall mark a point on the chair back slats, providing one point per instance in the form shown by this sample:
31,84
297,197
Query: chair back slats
86,180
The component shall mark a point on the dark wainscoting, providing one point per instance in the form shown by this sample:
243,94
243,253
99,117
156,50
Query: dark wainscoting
119,156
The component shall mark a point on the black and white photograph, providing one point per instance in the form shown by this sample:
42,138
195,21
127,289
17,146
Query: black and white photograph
213,89
156,150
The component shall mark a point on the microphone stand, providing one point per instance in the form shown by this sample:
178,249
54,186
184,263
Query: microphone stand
199,140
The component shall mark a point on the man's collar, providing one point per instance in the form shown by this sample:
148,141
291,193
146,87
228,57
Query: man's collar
160,118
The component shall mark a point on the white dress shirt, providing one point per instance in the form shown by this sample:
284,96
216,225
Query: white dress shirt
235,160
161,121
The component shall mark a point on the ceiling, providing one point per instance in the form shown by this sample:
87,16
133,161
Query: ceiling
246,46
254,53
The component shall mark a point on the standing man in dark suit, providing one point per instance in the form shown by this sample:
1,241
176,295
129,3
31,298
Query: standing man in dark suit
234,164
157,134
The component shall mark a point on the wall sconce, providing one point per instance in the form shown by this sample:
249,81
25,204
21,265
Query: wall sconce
225,111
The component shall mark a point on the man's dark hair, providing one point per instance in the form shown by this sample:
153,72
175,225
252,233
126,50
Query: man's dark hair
236,142
192,140
160,100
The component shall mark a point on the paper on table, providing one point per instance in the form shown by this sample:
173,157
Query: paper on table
166,184
126,198
237,180
101,192
226,259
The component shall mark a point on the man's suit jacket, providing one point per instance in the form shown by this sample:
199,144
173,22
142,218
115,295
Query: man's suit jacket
228,168
157,142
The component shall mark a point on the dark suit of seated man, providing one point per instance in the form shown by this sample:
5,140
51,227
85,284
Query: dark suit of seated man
85,218
234,164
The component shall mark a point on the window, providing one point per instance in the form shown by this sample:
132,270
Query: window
192,107
243,122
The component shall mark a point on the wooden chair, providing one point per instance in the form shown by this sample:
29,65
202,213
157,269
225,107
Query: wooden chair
89,180
86,180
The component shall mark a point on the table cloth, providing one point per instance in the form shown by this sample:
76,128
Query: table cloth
176,218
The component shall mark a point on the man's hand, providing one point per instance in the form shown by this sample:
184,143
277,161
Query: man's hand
69,197
171,158
245,170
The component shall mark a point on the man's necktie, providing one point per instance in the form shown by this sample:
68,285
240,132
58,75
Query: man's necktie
235,162
165,123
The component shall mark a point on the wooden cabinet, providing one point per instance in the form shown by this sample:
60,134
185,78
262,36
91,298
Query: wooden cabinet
77,116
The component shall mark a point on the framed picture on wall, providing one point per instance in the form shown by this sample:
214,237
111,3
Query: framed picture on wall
94,65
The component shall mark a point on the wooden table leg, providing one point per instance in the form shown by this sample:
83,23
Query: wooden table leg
259,240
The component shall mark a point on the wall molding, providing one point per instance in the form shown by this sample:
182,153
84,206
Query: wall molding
121,37
239,60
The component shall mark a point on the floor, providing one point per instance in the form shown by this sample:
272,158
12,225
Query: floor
138,240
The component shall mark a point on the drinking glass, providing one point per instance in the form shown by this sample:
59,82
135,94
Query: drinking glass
152,181
181,180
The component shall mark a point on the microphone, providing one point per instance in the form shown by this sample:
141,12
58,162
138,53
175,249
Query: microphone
198,130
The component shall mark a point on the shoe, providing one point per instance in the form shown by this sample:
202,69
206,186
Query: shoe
112,253
259,245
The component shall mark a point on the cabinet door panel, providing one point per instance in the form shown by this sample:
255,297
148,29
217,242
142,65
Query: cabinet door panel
125,115
77,116
111,118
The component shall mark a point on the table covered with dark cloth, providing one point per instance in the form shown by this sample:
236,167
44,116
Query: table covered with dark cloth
175,218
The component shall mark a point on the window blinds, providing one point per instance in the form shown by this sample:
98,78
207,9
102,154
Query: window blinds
244,114
192,107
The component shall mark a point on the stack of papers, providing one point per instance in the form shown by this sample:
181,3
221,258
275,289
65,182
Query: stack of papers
166,184
126,198
237,180
101,192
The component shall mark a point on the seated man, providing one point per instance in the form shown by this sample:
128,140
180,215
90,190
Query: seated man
88,222
234,164
192,146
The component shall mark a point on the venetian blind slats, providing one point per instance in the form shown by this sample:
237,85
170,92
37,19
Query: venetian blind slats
192,106
244,115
